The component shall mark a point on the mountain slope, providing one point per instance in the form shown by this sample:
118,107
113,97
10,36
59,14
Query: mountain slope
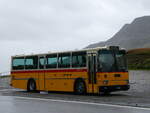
131,36
139,58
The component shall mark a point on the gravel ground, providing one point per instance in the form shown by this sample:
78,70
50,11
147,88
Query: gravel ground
4,82
138,95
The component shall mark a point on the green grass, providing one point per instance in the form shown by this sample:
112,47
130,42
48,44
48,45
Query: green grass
139,59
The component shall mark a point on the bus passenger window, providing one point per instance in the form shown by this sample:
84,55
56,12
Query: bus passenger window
51,61
31,62
64,60
41,62
79,59
18,63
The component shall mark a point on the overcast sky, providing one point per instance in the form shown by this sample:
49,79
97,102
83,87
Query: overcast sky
38,26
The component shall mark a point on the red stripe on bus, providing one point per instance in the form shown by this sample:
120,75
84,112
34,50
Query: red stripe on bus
39,71
59,70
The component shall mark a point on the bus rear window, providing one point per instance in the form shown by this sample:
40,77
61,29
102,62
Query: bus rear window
18,63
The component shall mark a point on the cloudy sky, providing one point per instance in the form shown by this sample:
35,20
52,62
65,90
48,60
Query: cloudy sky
38,26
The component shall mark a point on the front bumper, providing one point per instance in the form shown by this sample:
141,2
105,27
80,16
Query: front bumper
114,88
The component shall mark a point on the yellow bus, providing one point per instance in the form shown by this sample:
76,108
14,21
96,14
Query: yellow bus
95,70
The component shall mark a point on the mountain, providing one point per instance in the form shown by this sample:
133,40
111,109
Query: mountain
130,36
139,58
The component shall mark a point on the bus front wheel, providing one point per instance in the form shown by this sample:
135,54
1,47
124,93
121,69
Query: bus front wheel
80,87
31,86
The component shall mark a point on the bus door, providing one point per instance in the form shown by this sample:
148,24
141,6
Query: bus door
92,72
41,73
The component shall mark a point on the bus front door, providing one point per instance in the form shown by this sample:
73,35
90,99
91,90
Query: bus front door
92,73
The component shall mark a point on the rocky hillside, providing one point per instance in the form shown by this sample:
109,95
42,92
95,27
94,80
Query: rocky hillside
139,58
131,36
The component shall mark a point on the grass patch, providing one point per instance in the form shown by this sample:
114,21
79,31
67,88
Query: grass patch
139,59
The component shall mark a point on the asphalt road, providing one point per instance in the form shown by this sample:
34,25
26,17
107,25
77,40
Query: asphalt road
13,104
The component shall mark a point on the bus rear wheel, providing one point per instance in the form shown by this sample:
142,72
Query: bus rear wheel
31,86
80,87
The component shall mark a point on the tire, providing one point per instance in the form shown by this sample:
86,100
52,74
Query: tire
31,87
80,87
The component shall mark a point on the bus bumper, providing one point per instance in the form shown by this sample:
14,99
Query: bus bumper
114,88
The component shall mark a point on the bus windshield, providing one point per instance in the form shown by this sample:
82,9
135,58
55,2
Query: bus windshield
110,61
121,60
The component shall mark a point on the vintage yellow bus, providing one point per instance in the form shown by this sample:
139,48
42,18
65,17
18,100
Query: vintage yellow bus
95,70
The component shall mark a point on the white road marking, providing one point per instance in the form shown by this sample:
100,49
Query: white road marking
1,90
80,102
4,90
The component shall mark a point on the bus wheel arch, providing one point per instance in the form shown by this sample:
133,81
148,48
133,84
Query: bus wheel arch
80,86
31,85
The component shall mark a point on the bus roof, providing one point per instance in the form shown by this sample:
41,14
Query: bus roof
85,49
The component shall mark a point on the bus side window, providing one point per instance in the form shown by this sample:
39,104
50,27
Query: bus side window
79,59
18,63
31,62
64,60
51,61
41,62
